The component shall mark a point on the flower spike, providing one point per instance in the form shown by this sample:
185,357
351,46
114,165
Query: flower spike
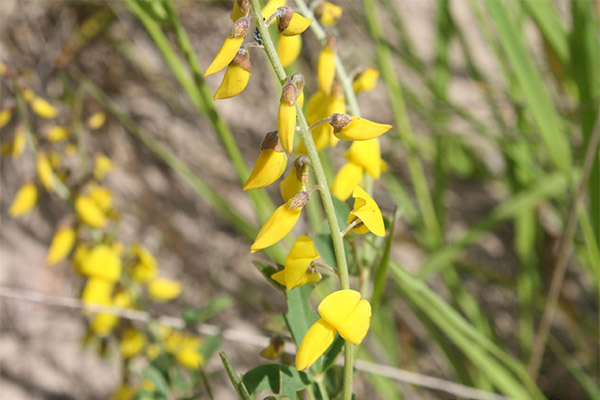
230,46
236,76
270,165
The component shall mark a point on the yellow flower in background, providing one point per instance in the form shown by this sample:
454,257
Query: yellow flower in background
328,13
366,211
42,108
279,224
288,49
102,262
271,7
96,120
188,352
367,154
19,142
97,291
343,311
24,200
146,267
270,165
162,290
5,116
102,324
286,117
124,392
290,23
316,108
347,127
230,46
101,196
61,246
240,9
58,134
365,80
44,170
297,272
236,76
347,178
102,166
79,255
89,212
326,67
132,342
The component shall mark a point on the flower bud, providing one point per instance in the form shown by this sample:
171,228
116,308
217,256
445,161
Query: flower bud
270,165
24,200
230,46
288,49
163,290
290,23
346,127
61,245
286,117
365,80
279,224
328,13
339,121
326,66
296,180
44,170
236,76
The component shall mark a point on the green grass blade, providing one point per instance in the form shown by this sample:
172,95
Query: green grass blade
550,25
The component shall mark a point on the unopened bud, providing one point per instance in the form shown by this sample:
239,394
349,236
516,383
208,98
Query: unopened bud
301,165
331,42
271,142
242,59
339,121
289,93
285,14
240,28
298,80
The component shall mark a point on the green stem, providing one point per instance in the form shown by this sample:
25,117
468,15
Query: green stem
313,155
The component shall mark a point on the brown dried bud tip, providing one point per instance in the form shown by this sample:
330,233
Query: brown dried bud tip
271,142
337,90
298,80
301,165
244,6
284,17
300,199
331,41
339,121
242,59
240,28
289,93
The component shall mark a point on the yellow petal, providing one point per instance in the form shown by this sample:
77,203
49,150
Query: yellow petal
102,324
269,167
347,178
97,291
337,104
102,262
80,254
297,25
317,107
162,290
279,277
234,82
44,170
102,166
132,342
300,99
271,7
146,266
326,69
44,109
279,224
366,153
291,185
365,81
288,49
368,212
61,245
5,116
101,196
329,14
19,142
24,200
96,120
286,125
355,327
228,50
316,340
362,129
347,313
190,358
89,212
124,392
58,134
303,252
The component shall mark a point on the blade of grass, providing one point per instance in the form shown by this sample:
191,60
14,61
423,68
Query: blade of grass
548,21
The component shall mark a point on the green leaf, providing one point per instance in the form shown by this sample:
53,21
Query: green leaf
332,353
198,315
300,316
238,385
341,212
279,379
549,23
209,345
382,267
161,387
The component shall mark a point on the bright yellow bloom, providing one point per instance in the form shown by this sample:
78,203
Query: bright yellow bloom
124,392
271,7
102,262
19,142
316,108
288,49
80,254
342,311
347,178
366,211
297,272
97,291
291,185
230,46
58,134
236,76
291,23
188,353
365,80
240,9
102,324
270,164
316,340
132,342
101,196
286,117
44,170
321,106
44,109
61,245
346,127
328,13
367,154
326,69
162,290
102,166
5,116
145,267
24,200
96,120
279,224
89,212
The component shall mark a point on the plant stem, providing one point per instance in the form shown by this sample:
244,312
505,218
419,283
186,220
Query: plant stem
313,155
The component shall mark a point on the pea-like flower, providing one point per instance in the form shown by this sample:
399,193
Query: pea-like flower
367,154
132,342
61,245
236,76
271,7
24,200
328,13
343,312
19,142
44,170
367,213
286,117
58,134
162,290
230,46
288,49
43,108
365,80
89,212
347,178
290,23
298,270
5,116
270,164
102,262
326,66
347,127
145,267
296,180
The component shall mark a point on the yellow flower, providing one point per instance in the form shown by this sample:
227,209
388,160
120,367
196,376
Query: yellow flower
101,196
366,211
162,290
270,164
328,13
102,166
44,170
288,49
24,200
132,342
61,245
286,117
5,116
188,353
42,108
230,46
96,120
346,127
291,23
124,392
236,76
347,178
102,262
342,311
19,142
79,255
297,272
326,67
240,9
271,7
296,180
89,212
102,324
316,108
97,291
58,134
279,224
321,106
365,80
367,154
145,267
